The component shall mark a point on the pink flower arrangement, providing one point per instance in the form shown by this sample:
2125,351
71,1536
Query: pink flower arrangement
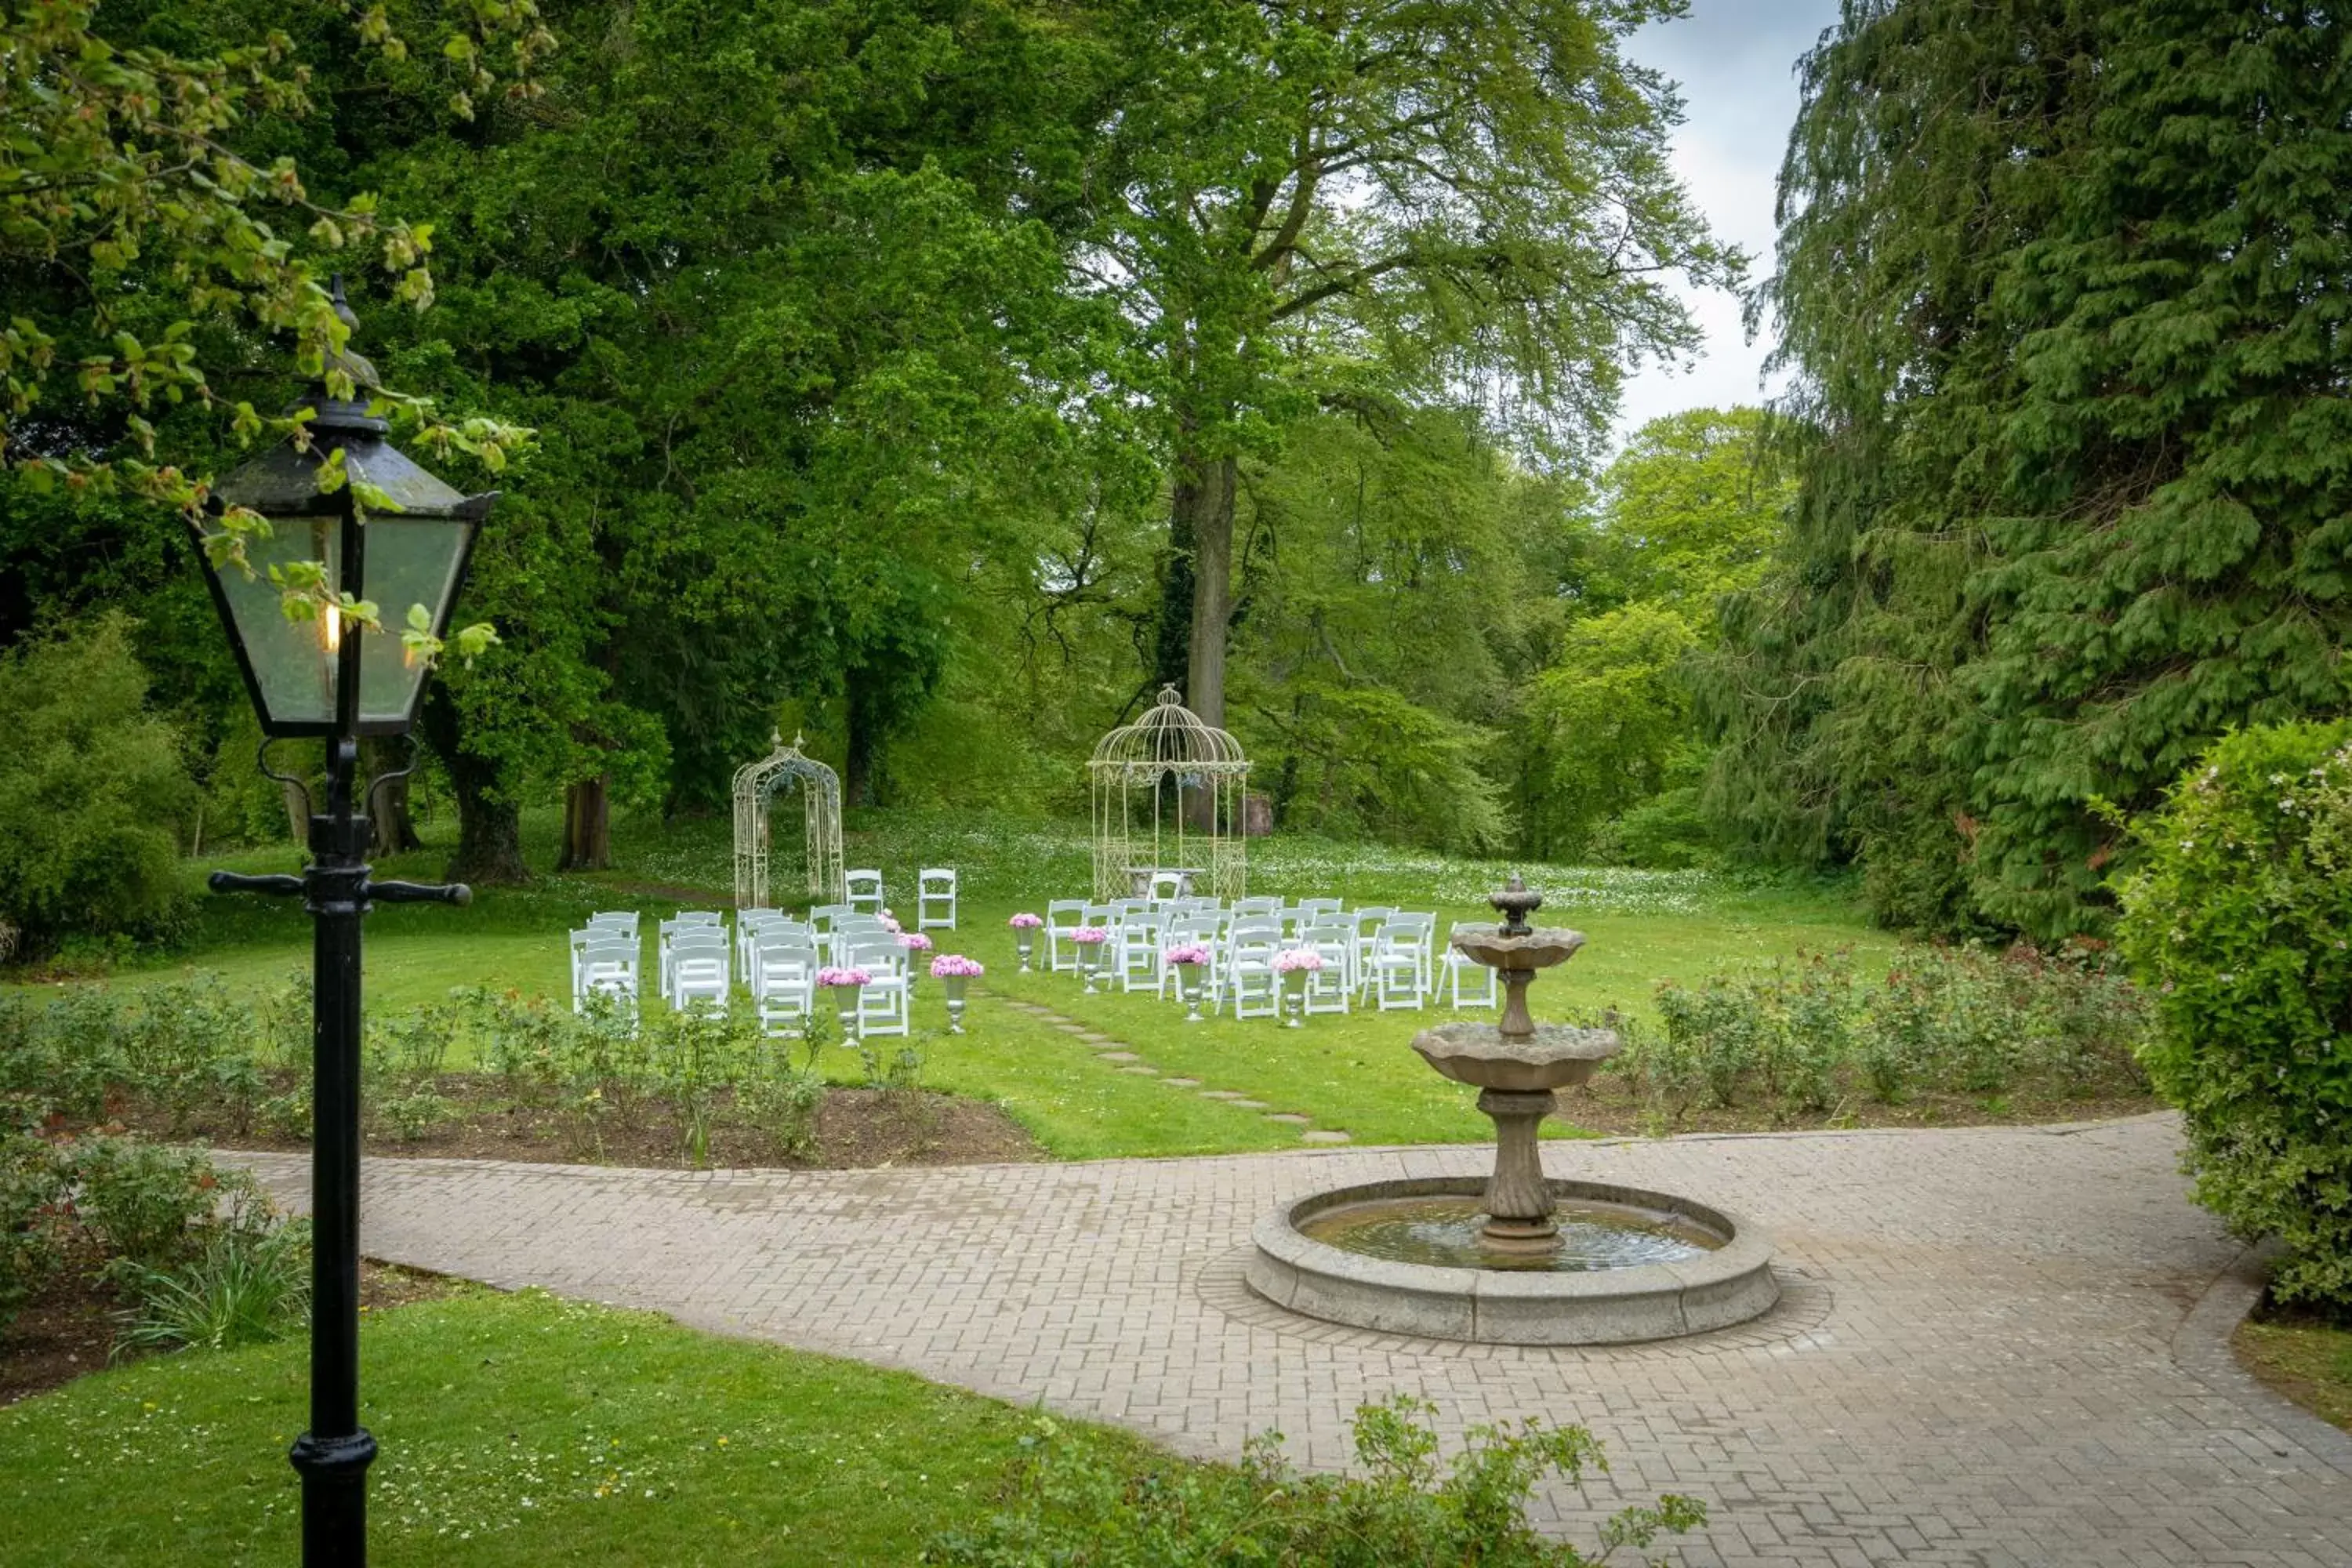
1187,953
889,924
830,976
915,942
1089,936
1293,959
1024,920
956,966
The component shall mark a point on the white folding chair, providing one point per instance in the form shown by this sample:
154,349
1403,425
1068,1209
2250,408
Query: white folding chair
1062,916
1423,930
1322,906
1245,909
1250,982
698,968
607,965
1167,886
1328,988
1137,962
1394,972
865,890
667,937
884,1002
935,899
784,984
1480,989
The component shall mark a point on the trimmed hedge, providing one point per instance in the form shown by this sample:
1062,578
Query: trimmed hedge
2239,920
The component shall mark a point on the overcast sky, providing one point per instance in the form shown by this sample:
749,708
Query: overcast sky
1734,60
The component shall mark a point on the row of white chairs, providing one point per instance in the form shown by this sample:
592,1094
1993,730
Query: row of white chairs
1378,956
935,896
778,957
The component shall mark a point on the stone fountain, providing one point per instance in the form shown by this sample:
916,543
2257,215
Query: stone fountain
1518,1258
1518,1066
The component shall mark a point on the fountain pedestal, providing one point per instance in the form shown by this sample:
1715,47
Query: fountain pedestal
1519,1206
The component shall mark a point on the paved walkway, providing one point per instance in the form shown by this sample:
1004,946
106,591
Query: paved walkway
1996,1346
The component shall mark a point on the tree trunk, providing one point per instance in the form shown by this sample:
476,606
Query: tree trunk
489,829
1203,511
392,830
864,742
297,821
588,826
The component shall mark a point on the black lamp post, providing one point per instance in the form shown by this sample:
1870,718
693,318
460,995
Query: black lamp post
331,678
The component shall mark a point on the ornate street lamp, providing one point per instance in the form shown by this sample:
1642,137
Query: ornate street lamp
331,677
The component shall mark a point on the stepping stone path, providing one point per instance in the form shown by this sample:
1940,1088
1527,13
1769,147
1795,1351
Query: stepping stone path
1128,1061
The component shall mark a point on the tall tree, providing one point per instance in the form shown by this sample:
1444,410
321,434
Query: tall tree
1687,513
1459,202
2063,283
798,359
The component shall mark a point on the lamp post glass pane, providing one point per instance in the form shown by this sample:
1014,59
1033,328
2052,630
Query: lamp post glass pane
408,561
293,661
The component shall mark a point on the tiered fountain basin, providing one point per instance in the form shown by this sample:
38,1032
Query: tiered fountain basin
1515,1257
1721,1274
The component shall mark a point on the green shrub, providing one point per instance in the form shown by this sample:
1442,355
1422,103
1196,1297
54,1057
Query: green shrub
34,1200
153,1205
2238,918
1800,1034
92,790
248,1285
183,1047
1076,1503
1668,832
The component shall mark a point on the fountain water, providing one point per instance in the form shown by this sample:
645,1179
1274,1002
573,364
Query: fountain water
1492,1261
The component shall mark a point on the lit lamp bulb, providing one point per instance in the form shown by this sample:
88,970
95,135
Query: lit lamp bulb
332,628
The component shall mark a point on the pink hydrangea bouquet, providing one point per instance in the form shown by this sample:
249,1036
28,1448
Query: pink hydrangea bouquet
1089,936
830,976
888,923
1024,920
956,966
915,942
1187,953
1292,960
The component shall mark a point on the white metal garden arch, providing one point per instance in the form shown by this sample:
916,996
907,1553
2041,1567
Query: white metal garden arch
1196,779
786,768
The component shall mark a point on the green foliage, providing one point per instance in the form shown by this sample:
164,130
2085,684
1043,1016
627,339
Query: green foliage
35,1201
1612,719
1668,832
92,791
2239,920
1803,1035
2058,282
247,1286
152,1205
1068,1502
168,230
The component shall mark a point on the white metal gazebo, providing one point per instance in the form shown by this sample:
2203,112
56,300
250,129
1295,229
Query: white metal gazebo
1196,779
787,768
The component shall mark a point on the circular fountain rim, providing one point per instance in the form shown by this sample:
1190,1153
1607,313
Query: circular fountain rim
1607,1306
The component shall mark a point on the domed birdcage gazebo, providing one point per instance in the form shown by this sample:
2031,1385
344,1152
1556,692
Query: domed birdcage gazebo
786,768
1195,780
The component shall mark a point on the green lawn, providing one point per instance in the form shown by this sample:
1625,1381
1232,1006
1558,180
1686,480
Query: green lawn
516,1429
1355,1073
2306,1359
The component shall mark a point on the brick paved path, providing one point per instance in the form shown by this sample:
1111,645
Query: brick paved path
1998,1346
